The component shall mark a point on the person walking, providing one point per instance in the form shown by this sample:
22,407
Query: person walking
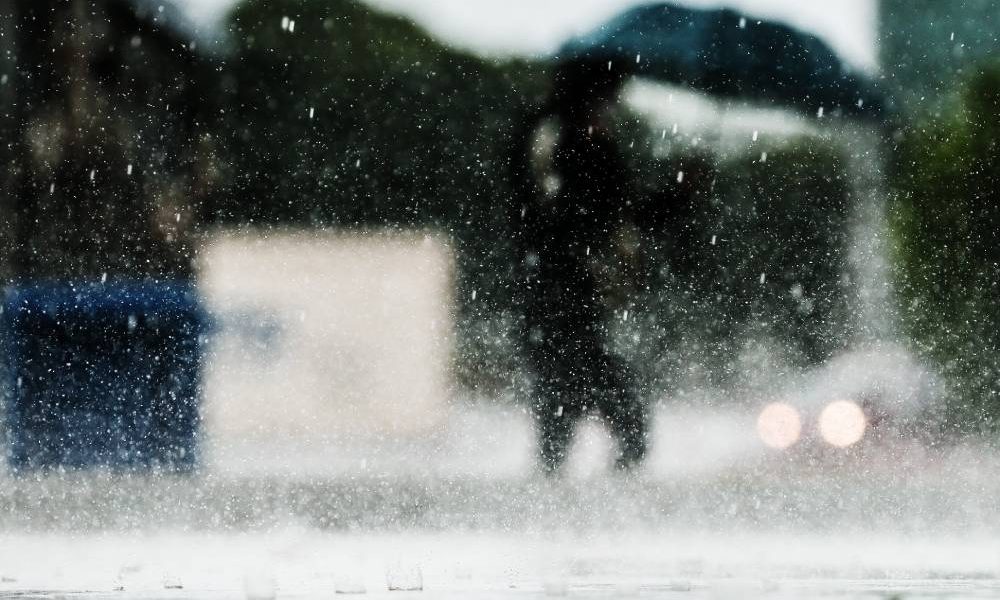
576,198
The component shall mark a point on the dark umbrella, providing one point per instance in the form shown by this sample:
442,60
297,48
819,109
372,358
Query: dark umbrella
723,53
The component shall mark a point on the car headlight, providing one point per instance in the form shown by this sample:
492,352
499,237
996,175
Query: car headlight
779,425
842,423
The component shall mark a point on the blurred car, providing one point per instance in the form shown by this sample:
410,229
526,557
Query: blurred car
860,396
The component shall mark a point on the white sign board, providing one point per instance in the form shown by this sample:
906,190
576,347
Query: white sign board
322,337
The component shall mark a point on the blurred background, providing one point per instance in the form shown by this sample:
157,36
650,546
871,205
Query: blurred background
314,197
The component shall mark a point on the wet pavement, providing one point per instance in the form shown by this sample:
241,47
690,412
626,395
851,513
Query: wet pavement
300,563
713,515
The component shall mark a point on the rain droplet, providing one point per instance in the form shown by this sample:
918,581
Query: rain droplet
680,176
312,112
258,586
171,582
405,578
756,134
820,112
349,587
128,170
743,22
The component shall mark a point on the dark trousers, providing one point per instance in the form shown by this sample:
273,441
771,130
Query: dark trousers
576,375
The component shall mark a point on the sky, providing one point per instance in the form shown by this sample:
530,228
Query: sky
531,27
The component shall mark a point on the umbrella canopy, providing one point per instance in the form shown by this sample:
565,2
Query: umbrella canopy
723,53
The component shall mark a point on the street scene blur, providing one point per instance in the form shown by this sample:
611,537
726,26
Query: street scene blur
575,298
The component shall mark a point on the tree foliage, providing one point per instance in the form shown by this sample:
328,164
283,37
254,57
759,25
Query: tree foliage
945,222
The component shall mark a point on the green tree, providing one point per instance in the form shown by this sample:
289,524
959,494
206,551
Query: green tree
945,221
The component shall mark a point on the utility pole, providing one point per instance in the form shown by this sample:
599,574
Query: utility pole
11,118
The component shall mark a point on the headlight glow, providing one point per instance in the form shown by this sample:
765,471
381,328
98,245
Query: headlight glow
842,423
779,425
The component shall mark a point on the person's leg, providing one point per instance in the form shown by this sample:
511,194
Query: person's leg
557,407
556,425
556,403
626,414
